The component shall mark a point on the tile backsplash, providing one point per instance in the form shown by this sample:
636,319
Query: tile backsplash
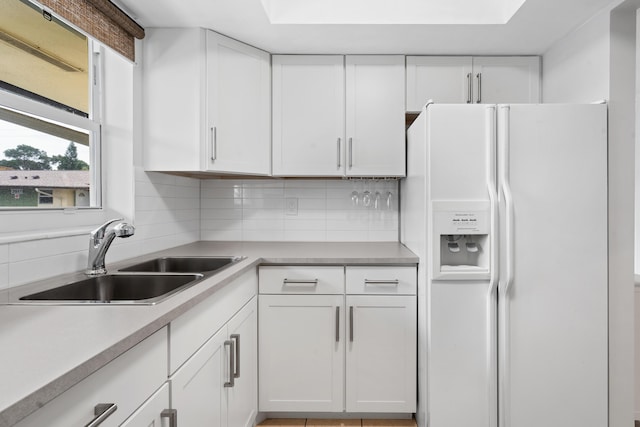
172,210
299,210
167,214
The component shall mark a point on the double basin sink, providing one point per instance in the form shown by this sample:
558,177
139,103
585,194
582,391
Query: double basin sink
147,283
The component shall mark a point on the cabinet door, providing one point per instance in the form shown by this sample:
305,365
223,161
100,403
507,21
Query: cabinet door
443,79
243,396
197,388
506,79
301,345
238,107
308,115
173,98
375,115
150,413
381,353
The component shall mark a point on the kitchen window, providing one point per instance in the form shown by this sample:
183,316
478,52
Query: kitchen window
49,124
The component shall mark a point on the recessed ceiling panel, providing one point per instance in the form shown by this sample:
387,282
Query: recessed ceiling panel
435,12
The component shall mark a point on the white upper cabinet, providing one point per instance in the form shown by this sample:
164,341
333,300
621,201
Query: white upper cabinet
337,119
308,115
206,103
506,79
238,106
375,116
465,79
444,79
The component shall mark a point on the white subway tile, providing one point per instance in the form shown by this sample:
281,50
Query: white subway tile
221,214
263,224
221,224
4,276
256,214
30,250
305,235
306,193
4,254
229,203
275,203
347,236
263,235
222,235
383,235
303,224
262,193
37,269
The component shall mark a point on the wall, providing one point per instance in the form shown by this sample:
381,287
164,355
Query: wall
576,69
257,210
598,61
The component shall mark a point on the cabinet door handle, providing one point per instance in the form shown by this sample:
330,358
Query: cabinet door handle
479,77
469,90
339,153
172,414
350,153
214,143
338,324
312,282
231,382
351,323
102,411
394,282
236,338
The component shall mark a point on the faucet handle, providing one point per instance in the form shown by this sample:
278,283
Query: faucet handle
98,233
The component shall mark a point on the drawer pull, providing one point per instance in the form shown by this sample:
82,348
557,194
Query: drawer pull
102,411
394,282
338,324
236,338
312,282
231,382
172,414
351,323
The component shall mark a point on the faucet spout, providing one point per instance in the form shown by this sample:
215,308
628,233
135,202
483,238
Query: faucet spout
99,241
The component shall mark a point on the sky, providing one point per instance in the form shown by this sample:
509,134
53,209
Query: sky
12,135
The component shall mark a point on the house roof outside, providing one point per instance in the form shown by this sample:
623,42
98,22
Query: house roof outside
45,178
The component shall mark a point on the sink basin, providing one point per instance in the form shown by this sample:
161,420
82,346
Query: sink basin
117,289
183,264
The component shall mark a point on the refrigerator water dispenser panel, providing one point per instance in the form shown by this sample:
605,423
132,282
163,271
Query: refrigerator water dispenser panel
461,240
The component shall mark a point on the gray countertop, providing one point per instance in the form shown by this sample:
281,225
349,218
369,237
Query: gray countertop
47,349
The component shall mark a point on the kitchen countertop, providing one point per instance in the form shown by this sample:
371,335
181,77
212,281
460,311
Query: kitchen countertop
46,349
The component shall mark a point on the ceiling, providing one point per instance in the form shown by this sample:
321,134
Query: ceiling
534,27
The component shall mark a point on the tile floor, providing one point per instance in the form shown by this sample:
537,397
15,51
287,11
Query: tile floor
336,423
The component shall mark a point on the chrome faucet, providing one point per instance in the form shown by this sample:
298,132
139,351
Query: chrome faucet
99,241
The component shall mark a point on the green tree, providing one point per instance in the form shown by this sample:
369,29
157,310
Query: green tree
69,161
26,157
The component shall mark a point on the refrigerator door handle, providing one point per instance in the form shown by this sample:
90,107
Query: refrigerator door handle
492,301
507,258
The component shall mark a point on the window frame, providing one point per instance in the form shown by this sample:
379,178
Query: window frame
91,124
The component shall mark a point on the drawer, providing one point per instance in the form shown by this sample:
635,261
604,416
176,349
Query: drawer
386,280
126,381
301,280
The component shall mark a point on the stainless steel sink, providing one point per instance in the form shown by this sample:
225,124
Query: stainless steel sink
116,289
183,264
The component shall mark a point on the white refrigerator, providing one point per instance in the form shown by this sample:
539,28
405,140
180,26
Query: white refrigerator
506,206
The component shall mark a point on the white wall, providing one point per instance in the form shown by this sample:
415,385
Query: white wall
257,210
576,69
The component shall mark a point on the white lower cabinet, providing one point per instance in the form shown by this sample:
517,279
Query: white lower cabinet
118,389
325,350
381,353
301,353
216,386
